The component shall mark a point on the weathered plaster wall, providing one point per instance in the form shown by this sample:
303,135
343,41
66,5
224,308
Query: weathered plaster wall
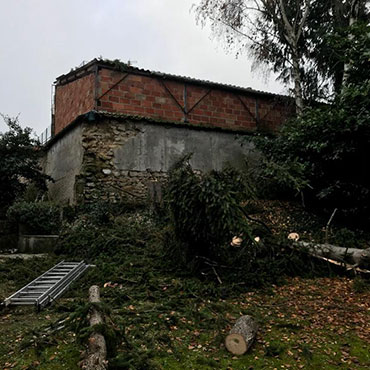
157,148
115,160
63,163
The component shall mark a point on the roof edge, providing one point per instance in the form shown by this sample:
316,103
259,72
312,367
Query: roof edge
119,66
93,116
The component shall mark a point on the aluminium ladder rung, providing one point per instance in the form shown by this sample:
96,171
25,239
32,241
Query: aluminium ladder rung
49,286
51,282
32,296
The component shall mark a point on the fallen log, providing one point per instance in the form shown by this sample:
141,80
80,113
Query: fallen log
354,256
242,335
345,265
96,356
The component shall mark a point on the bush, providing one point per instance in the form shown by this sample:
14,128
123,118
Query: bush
19,162
206,209
36,217
90,237
325,153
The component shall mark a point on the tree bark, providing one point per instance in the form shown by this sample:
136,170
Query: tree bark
353,256
353,18
293,32
242,335
97,349
297,86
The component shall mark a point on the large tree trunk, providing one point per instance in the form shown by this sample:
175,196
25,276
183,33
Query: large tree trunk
353,18
292,34
297,86
97,349
353,256
242,335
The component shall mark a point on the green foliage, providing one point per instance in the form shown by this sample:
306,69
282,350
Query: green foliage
351,46
304,43
206,210
19,162
79,323
325,152
91,235
36,217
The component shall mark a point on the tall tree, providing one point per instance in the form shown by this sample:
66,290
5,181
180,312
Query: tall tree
328,33
355,12
288,35
19,162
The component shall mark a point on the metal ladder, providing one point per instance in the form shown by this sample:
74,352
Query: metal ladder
49,286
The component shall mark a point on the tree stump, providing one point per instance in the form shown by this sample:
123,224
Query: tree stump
97,349
242,335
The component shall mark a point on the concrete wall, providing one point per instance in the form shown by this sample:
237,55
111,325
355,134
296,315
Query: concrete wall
63,161
118,159
157,148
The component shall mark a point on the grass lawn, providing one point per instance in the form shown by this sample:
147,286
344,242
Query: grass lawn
173,322
163,318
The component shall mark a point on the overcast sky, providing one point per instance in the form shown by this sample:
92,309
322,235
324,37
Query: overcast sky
42,39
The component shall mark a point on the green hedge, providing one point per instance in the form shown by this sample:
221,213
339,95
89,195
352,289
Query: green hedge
36,217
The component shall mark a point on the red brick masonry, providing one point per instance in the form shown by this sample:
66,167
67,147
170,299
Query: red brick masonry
100,86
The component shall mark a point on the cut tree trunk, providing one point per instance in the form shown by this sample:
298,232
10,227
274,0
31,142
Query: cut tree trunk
242,335
96,358
353,256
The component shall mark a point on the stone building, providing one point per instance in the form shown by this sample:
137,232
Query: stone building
117,129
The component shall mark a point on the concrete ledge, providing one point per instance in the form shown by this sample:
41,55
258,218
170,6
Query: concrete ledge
22,256
37,243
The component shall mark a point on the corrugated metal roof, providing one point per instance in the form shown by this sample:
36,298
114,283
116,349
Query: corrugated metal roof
115,65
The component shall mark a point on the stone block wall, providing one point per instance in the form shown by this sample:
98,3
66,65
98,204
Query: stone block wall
120,159
100,178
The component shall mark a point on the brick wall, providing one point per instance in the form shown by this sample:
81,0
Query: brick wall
167,98
73,99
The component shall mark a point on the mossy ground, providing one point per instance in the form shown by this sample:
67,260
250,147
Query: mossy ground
168,319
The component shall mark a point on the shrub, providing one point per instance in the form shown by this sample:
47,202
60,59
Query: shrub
89,237
206,209
36,217
325,153
19,162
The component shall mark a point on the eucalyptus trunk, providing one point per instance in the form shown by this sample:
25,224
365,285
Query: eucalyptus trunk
298,96
353,18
